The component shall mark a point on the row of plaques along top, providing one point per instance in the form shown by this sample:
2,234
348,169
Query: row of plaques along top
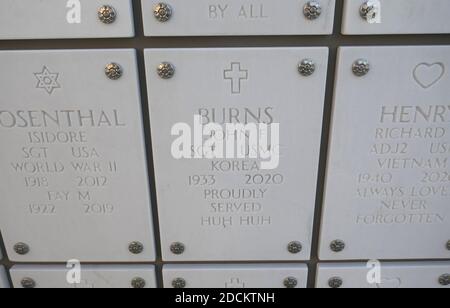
74,181
330,275
52,19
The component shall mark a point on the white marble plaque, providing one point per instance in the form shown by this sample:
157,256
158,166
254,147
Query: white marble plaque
63,19
74,179
237,17
3,278
388,185
236,276
397,17
391,275
92,276
236,208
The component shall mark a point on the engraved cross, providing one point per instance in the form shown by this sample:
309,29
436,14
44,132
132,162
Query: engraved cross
235,283
235,74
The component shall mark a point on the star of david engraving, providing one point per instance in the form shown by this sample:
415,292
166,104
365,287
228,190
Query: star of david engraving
47,80
235,75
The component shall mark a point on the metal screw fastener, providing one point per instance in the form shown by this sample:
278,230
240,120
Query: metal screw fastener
138,283
166,70
335,282
367,11
312,10
162,12
136,248
290,282
361,67
177,248
337,246
307,67
295,247
444,280
113,71
107,14
179,283
21,248
28,283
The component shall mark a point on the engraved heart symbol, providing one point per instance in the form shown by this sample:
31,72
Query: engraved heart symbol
389,283
427,75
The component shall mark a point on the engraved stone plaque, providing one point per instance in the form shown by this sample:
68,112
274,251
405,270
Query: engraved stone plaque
74,179
396,17
232,207
3,278
92,276
391,275
53,19
387,191
237,17
237,276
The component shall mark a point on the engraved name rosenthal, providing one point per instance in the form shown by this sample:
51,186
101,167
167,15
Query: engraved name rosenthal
60,118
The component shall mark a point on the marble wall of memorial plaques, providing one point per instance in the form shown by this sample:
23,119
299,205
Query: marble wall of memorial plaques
387,189
396,17
74,171
237,17
390,275
236,276
91,276
4,283
236,140
217,206
51,19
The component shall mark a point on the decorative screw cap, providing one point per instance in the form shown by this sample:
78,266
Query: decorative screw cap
21,248
177,248
138,283
307,67
295,247
367,11
107,14
337,246
290,282
166,70
335,282
28,283
136,248
179,283
162,12
444,280
312,10
113,71
361,67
